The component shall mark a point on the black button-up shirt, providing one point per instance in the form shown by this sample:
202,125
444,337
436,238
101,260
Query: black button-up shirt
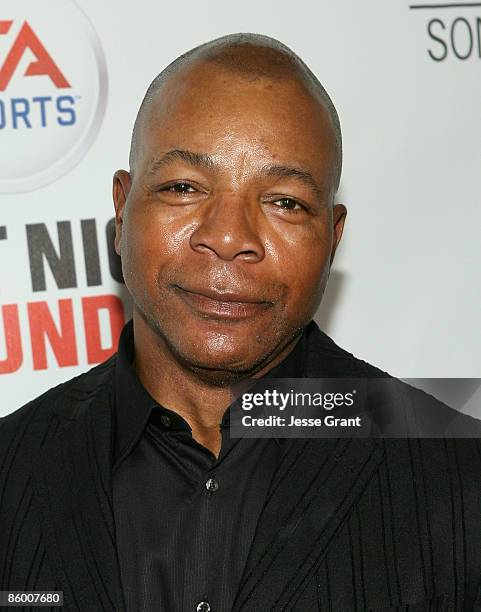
184,519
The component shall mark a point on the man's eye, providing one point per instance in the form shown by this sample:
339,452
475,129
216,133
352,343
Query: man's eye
179,188
288,204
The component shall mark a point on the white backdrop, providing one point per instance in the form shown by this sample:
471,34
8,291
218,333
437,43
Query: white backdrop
404,292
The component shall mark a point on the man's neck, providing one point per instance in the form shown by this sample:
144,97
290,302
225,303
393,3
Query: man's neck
200,400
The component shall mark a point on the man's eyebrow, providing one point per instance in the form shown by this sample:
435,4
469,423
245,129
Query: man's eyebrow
207,161
299,174
189,157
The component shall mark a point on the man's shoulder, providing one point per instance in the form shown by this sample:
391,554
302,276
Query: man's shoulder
327,359
397,404
63,400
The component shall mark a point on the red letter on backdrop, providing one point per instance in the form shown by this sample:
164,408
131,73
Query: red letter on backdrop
13,340
43,65
91,307
42,325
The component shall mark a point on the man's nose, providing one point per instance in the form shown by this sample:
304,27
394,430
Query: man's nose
229,230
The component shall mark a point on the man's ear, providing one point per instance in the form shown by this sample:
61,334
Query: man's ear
120,192
339,213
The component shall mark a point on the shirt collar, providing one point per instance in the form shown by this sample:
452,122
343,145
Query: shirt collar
134,406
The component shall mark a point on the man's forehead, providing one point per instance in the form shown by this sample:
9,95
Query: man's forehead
197,97
251,117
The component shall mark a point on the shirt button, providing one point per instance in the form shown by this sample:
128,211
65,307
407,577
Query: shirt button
212,485
203,606
165,420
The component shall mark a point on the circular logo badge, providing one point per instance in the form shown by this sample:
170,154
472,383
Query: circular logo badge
53,91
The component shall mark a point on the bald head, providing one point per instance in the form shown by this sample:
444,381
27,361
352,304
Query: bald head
252,57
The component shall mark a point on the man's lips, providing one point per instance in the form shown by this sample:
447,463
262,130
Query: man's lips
222,304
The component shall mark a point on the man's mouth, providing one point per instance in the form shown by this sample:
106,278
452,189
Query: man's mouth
222,304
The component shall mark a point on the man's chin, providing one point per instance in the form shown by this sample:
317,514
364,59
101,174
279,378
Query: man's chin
221,366
218,351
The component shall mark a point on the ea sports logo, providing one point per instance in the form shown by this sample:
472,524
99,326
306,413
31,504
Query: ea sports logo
53,90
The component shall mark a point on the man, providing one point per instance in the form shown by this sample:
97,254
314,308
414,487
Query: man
122,487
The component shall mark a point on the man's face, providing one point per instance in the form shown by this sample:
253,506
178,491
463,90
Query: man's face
226,229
